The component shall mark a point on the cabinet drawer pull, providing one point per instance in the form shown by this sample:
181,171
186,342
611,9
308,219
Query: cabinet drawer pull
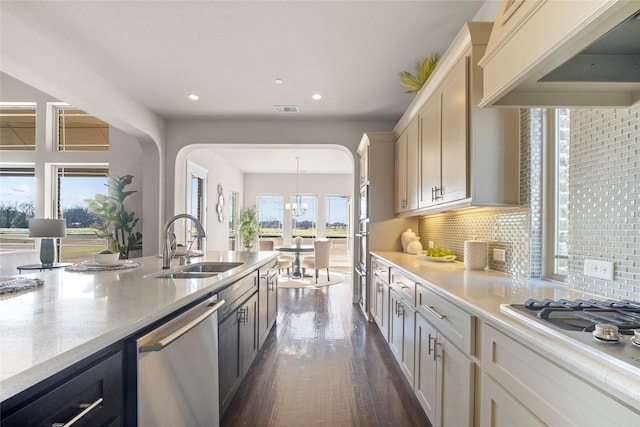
242,316
402,285
433,311
86,408
429,346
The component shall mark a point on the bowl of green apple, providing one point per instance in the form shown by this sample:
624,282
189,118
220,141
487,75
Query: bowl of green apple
437,255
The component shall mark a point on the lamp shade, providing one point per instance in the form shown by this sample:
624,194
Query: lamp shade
48,228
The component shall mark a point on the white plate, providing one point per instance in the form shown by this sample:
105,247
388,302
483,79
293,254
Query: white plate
111,264
447,258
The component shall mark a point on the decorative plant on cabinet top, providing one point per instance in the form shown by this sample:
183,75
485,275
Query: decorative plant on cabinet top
249,226
423,70
117,224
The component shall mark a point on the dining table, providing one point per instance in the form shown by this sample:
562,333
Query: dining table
297,272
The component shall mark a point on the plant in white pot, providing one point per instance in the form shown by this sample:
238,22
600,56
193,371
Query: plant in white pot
249,226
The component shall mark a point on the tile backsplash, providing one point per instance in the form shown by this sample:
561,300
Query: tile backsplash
603,205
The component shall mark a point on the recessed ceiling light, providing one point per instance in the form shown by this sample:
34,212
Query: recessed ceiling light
316,97
279,81
193,97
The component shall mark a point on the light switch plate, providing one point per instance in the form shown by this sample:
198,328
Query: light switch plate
499,255
598,268
431,244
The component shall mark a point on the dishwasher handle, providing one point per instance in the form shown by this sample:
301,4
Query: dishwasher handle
165,341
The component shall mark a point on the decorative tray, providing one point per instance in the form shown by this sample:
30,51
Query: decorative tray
122,264
16,284
446,258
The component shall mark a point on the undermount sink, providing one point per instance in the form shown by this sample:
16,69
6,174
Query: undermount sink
199,270
182,275
210,267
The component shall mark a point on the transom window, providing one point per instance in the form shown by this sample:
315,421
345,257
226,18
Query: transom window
18,126
77,130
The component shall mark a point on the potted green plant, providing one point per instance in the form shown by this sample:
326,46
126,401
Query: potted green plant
116,223
248,226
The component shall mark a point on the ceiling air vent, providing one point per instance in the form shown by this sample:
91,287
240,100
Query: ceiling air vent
286,108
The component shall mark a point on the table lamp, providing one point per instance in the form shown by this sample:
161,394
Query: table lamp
48,230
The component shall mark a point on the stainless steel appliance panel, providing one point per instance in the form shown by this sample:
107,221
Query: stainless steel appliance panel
178,370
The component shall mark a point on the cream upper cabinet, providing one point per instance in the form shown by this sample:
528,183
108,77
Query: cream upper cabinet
468,156
444,150
407,164
430,155
563,53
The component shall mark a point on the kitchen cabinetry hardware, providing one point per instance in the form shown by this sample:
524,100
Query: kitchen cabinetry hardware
401,284
159,345
86,409
429,347
433,311
242,316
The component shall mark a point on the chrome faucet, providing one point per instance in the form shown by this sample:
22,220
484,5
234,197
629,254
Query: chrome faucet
168,249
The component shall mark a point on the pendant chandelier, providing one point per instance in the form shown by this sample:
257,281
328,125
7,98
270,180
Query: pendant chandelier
296,206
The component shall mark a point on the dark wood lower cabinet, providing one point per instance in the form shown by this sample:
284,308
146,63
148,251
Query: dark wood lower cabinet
92,397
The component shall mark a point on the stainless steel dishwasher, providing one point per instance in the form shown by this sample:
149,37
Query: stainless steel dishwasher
178,370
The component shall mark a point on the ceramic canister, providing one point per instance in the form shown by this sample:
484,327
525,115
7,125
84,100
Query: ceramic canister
414,246
405,238
475,255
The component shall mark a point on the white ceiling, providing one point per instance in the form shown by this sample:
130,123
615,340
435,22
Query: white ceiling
230,52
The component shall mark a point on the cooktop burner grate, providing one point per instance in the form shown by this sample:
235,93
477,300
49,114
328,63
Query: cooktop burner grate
583,315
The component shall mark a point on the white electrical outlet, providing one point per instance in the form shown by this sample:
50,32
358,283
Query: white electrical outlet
598,268
499,255
431,244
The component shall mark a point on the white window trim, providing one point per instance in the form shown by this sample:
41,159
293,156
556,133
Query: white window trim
195,170
549,177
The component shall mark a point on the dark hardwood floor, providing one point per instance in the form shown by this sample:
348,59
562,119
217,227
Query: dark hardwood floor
324,365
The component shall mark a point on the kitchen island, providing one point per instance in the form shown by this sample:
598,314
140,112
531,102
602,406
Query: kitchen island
501,369
74,315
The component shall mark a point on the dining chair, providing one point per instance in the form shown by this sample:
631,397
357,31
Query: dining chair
320,258
268,245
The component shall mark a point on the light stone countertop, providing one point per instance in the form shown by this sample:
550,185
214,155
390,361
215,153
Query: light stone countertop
75,314
481,293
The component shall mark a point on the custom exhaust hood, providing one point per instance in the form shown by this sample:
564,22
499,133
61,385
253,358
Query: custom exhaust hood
563,53
615,57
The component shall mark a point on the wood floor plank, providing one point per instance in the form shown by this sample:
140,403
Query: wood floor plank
324,365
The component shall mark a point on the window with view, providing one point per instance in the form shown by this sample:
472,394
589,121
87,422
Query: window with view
17,205
270,214
337,216
18,126
75,186
77,130
306,225
233,220
557,195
